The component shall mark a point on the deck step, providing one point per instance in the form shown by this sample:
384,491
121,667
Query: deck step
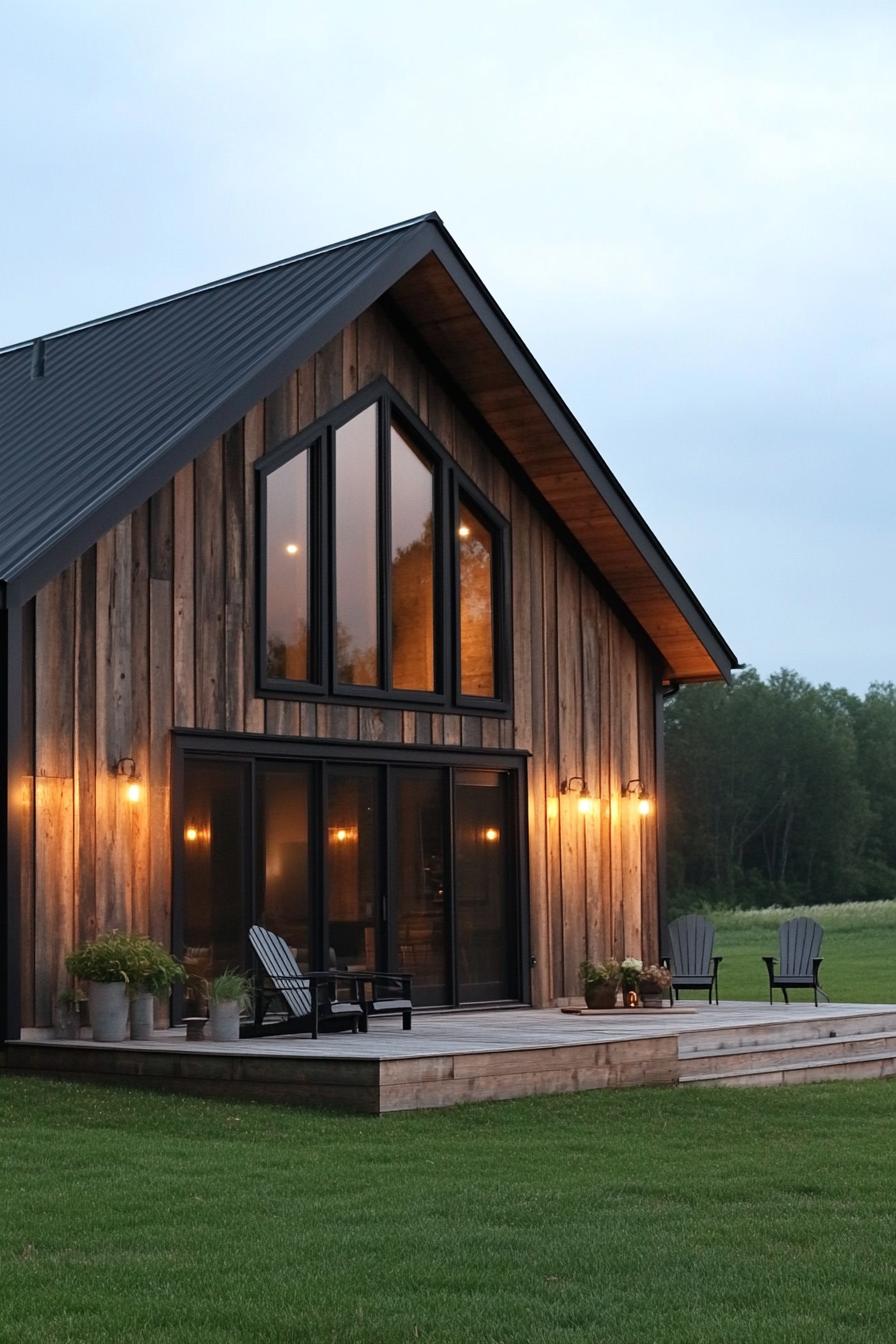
877,1064
737,1059
799,1030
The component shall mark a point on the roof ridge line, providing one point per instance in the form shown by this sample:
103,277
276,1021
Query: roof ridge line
431,216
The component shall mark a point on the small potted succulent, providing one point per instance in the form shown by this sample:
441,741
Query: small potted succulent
630,975
600,981
155,972
229,995
106,964
654,980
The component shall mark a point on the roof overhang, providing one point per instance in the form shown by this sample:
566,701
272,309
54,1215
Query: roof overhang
430,285
443,300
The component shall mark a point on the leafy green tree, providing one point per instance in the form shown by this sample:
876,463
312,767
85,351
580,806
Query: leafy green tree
780,792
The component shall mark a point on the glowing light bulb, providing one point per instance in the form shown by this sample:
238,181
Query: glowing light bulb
292,549
191,834
492,834
341,835
586,805
463,530
644,807
132,792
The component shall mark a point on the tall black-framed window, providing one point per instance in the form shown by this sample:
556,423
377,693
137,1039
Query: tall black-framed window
383,570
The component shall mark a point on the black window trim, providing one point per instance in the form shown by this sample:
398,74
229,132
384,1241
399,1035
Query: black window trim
450,482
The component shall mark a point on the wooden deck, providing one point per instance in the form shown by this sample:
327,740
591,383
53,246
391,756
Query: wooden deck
481,1056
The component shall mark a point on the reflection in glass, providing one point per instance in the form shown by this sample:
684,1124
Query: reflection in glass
357,642
477,641
485,927
214,862
412,567
352,852
284,885
287,570
419,814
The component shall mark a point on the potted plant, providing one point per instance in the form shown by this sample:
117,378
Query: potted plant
106,964
155,972
229,994
630,974
653,981
67,1021
600,981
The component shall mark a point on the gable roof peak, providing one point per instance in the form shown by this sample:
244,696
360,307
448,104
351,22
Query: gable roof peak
402,226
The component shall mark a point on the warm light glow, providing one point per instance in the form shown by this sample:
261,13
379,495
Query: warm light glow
586,805
492,834
132,792
340,835
644,807
292,549
463,531
553,808
191,834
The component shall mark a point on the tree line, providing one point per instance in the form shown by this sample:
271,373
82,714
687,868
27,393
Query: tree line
780,793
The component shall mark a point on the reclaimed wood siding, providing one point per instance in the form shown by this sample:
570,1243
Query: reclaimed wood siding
154,627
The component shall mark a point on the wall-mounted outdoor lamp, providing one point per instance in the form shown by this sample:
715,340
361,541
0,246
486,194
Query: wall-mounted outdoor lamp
491,834
126,768
636,789
576,784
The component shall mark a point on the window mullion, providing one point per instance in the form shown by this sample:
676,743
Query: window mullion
384,576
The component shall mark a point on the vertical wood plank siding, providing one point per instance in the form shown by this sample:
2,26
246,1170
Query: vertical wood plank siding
154,629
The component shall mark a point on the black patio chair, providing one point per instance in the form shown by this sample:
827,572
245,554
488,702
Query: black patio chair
690,959
799,942
310,997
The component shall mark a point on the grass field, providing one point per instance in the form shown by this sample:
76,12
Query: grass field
707,1217
859,951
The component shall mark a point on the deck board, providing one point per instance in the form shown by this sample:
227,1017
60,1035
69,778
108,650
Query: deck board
447,1058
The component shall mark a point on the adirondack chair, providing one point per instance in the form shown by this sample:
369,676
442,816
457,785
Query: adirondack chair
799,942
310,996
690,959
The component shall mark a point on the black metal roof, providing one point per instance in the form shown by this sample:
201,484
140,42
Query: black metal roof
123,402
118,394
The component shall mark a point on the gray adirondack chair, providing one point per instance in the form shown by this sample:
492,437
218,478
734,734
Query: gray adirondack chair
691,959
310,997
799,943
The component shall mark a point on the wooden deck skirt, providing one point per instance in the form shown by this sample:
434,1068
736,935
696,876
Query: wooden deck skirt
448,1058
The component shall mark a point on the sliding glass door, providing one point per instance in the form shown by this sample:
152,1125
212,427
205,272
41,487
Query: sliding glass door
419,810
486,936
359,866
353,867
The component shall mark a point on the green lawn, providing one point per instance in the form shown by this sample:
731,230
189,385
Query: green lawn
859,951
625,1217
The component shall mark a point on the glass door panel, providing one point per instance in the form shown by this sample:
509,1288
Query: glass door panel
486,933
284,880
215,906
419,905
352,849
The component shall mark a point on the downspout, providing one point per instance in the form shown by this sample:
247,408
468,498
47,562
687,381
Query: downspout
663,694
10,821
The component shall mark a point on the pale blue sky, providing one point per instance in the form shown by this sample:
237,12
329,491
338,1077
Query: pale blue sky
688,211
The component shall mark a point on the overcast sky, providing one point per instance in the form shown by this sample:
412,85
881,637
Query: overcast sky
687,210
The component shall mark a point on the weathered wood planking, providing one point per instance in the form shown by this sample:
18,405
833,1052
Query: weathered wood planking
154,628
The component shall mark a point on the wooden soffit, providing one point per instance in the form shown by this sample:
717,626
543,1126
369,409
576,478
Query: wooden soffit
561,462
